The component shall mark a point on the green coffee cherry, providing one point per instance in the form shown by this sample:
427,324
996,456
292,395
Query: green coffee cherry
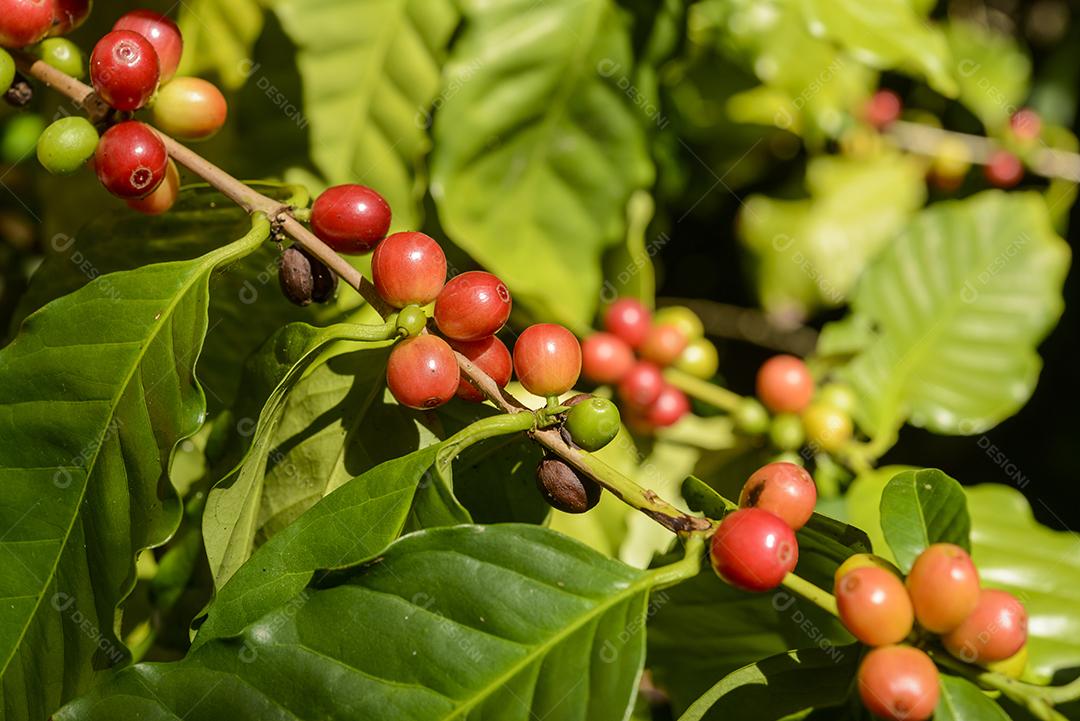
838,395
593,423
699,359
682,318
751,417
786,432
7,70
411,320
20,137
62,54
66,145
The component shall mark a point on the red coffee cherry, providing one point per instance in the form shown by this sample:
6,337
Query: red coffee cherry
874,606
664,344
784,384
472,306
628,319
899,683
753,550
68,15
605,358
24,22
1026,124
883,109
1003,169
350,218
783,489
124,69
164,196
408,269
668,408
944,587
161,32
422,372
489,355
130,160
547,359
641,385
994,631
190,109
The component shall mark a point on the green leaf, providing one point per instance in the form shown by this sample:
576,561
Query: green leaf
537,149
218,37
508,622
959,303
97,389
779,685
892,37
919,508
992,71
962,700
370,74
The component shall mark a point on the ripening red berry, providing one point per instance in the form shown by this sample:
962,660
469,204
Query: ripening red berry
422,372
783,489
668,408
883,108
899,683
190,108
1003,169
162,33
605,358
874,606
69,14
24,22
629,319
131,161
124,69
753,550
472,306
641,385
944,587
408,269
664,344
1026,124
994,631
547,359
784,384
489,355
350,218
164,196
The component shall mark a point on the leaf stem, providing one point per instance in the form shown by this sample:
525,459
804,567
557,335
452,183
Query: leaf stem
686,567
369,333
705,391
503,424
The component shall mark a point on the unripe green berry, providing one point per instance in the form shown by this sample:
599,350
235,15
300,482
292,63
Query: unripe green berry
838,395
67,144
7,70
411,320
827,427
63,55
682,318
699,358
751,417
20,137
593,423
786,432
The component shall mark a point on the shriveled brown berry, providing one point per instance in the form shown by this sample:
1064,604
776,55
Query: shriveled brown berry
295,276
20,93
564,488
324,281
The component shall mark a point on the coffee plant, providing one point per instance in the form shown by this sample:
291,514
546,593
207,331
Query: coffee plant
398,427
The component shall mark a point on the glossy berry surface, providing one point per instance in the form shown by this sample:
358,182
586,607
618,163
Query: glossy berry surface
862,560
874,606
422,372
605,357
61,54
472,306
350,218
682,318
783,489
593,423
164,196
663,345
491,356
124,69
786,432
784,384
641,385
66,145
883,108
994,631
699,358
24,22
190,108
161,32
547,359
753,550
408,269
7,70
899,683
668,408
564,488
130,160
827,428
69,14
944,587
751,417
629,319
1003,169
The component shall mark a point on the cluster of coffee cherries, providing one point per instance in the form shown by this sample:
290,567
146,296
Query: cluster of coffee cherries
132,67
632,351
754,547
941,599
